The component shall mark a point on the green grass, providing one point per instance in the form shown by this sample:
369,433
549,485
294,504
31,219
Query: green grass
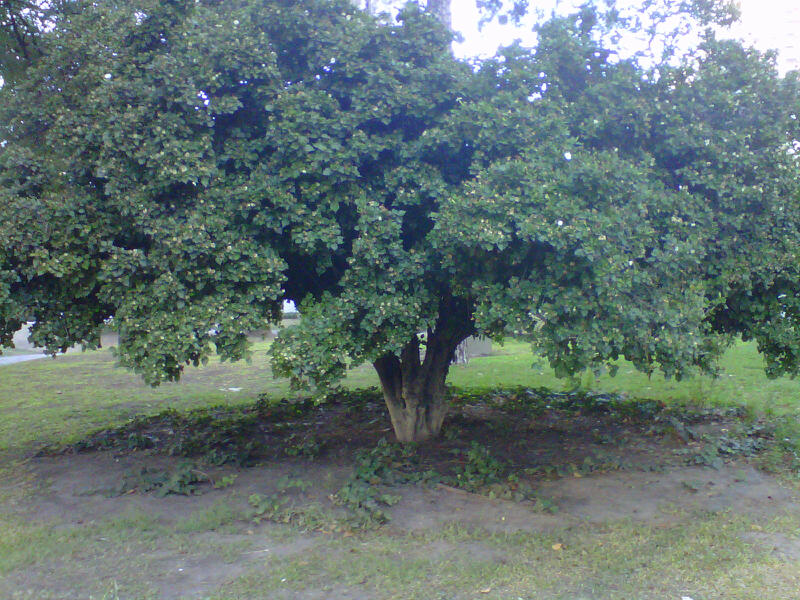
120,554
704,558
59,400
741,383
218,516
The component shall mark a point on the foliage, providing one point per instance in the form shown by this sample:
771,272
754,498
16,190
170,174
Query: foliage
366,500
194,175
480,469
385,464
590,217
307,446
218,434
181,168
280,508
23,27
185,479
247,434
225,481
361,496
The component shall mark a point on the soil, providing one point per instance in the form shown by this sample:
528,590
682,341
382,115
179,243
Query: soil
73,494
67,496
524,429
780,545
637,469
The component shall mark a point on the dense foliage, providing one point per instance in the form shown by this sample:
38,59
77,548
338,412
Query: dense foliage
183,168
23,33
193,155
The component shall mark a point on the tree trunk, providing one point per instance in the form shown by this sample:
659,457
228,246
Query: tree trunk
414,390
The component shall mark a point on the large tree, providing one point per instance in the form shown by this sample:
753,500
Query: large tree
170,164
23,33
184,168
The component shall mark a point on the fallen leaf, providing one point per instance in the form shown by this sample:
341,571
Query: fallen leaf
558,546
486,590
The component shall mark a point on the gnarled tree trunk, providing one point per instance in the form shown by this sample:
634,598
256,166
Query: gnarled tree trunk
414,388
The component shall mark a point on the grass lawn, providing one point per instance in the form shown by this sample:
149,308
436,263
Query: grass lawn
741,383
645,518
48,400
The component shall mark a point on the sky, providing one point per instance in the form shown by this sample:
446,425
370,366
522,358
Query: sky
771,24
766,24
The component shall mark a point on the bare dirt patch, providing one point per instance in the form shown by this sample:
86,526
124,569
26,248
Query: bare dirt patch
182,575
196,567
531,445
580,461
556,433
783,546
71,492
80,488
655,497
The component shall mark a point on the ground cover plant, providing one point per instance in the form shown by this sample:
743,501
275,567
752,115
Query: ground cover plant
530,492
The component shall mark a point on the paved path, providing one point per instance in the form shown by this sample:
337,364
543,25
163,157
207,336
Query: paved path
10,360
21,343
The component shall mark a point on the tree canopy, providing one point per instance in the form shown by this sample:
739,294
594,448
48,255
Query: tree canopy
184,167
23,32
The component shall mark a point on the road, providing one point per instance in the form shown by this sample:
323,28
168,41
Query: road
21,343
10,360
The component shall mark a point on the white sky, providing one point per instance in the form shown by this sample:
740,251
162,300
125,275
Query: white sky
766,24
769,24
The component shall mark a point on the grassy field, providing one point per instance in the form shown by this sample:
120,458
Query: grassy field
657,530
48,400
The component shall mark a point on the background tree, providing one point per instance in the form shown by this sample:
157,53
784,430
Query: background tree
201,166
